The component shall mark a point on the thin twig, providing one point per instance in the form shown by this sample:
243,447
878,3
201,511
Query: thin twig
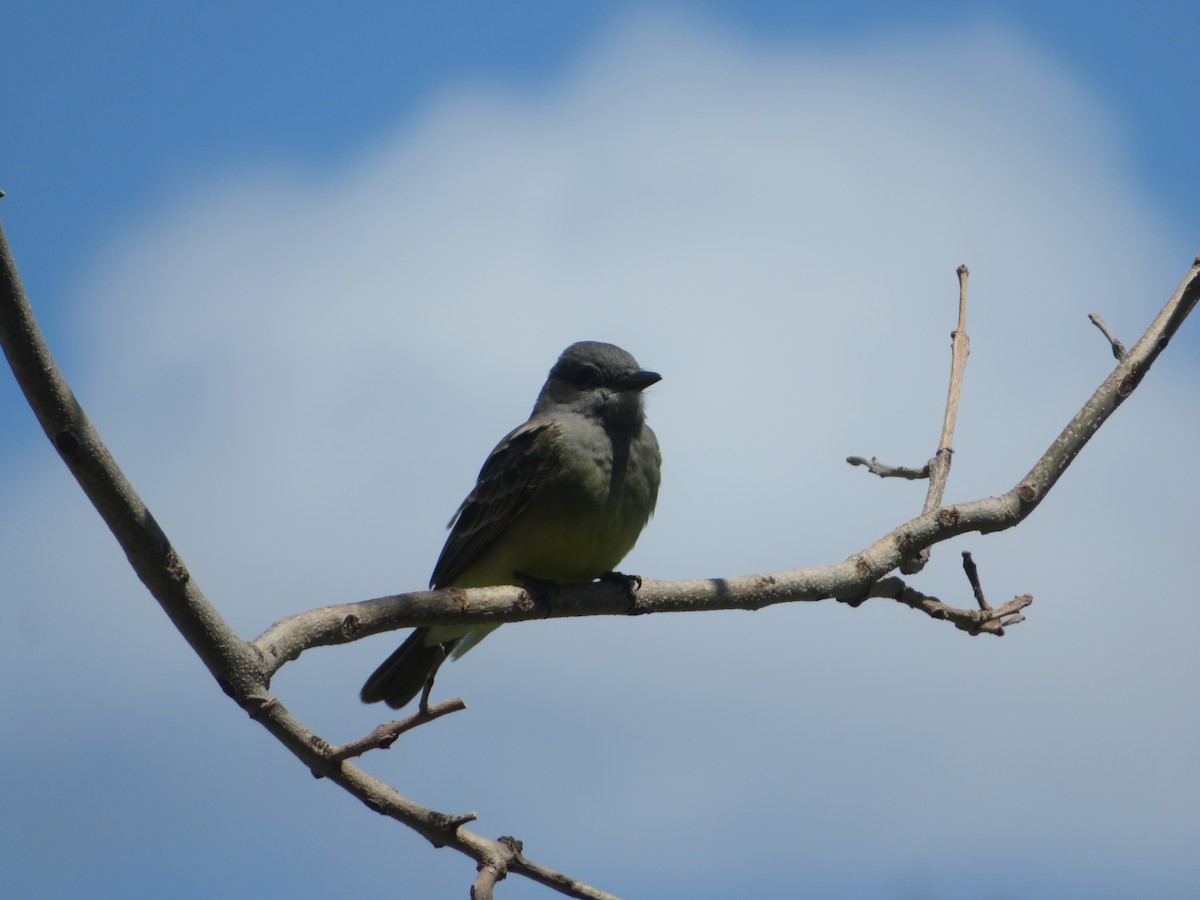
937,470
972,621
960,349
883,470
973,577
386,734
939,465
1118,349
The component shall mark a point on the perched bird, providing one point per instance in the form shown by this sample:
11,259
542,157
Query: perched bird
562,498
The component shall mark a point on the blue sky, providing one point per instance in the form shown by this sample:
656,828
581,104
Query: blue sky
305,266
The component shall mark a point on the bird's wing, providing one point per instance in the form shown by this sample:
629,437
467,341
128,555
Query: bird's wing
507,482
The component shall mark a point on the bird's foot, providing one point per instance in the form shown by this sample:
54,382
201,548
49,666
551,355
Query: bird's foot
630,584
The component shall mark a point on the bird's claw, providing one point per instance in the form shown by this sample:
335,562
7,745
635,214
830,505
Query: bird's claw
630,584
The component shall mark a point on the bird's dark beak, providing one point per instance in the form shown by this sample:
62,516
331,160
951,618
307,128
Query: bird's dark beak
637,380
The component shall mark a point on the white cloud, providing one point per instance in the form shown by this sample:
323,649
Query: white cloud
302,371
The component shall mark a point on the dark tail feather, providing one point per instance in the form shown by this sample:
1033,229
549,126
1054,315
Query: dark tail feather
403,674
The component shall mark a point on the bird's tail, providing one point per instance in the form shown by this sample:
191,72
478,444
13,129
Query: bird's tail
403,674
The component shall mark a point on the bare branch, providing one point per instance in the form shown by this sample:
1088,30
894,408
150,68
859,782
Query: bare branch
972,621
494,870
973,577
852,578
386,734
244,670
850,581
939,465
242,673
515,862
485,881
960,349
556,880
937,470
1118,349
231,661
875,467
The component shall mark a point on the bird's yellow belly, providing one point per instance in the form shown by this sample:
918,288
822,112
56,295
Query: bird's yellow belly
574,538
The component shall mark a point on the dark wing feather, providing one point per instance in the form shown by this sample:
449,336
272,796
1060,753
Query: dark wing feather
508,480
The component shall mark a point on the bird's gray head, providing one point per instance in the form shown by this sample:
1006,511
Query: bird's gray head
598,379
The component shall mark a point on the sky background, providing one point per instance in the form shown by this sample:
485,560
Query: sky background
304,266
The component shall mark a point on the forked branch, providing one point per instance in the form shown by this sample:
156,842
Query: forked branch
236,665
937,469
244,669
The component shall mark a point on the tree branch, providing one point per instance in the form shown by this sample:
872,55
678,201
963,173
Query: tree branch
939,465
972,571
231,661
244,670
883,470
1118,349
236,665
850,580
937,469
386,734
960,349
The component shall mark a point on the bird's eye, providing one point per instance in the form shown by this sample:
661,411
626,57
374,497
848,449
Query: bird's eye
588,375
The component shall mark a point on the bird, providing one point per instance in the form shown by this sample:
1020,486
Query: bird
561,499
